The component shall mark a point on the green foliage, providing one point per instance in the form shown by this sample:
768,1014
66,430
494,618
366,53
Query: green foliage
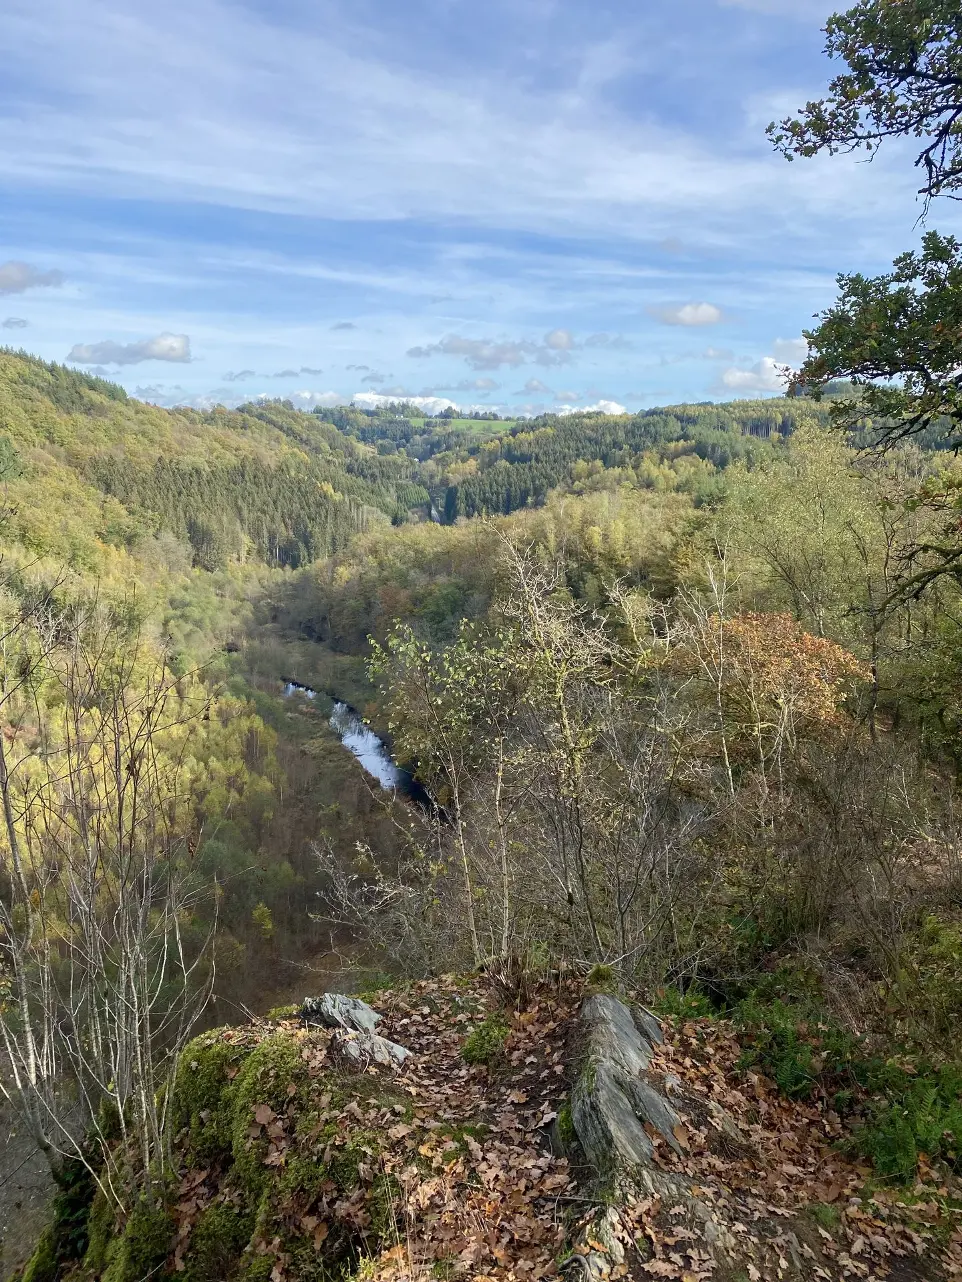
902,1109
912,1113
485,1044
902,81
799,1054
677,1004
894,337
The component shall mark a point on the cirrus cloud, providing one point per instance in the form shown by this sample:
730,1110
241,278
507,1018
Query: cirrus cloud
164,347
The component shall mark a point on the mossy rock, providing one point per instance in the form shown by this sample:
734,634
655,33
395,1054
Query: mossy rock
217,1243
266,1077
101,1231
142,1248
203,1094
43,1265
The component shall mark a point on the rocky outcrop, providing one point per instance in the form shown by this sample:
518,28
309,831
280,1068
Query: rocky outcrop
335,1010
616,1104
353,1022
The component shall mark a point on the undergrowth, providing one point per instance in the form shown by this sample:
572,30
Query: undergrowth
902,1108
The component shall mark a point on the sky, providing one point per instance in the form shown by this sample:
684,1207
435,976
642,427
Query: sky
522,205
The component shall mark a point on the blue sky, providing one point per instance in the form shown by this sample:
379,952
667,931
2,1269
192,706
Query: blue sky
523,204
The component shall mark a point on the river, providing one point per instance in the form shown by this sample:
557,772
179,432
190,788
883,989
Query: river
369,749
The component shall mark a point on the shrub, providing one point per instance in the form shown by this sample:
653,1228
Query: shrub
675,1004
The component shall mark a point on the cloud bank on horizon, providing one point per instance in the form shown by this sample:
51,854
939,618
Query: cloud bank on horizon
467,202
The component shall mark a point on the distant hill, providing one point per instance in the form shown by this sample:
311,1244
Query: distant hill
89,471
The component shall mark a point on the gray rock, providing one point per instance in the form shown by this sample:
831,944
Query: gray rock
652,1107
334,1010
605,1122
363,1049
611,1034
612,1101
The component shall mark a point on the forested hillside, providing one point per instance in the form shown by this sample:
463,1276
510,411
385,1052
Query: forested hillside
682,690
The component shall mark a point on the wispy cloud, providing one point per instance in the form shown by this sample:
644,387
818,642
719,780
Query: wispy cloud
239,376
17,277
15,322
771,373
482,353
165,347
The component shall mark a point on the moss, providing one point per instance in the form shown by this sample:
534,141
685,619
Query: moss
203,1094
257,1268
302,1177
101,1229
602,979
345,1163
268,1072
290,1011
486,1043
142,1248
43,1265
65,1240
566,1125
217,1242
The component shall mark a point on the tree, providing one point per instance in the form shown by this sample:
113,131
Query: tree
897,339
103,989
904,80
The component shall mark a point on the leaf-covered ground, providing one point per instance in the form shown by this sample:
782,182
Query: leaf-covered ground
445,1170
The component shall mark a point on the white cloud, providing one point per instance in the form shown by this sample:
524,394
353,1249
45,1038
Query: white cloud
717,354
430,404
161,101
17,277
599,407
15,322
534,387
790,351
766,375
559,340
165,347
691,314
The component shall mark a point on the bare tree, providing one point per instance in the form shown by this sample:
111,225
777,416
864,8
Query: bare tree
98,820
